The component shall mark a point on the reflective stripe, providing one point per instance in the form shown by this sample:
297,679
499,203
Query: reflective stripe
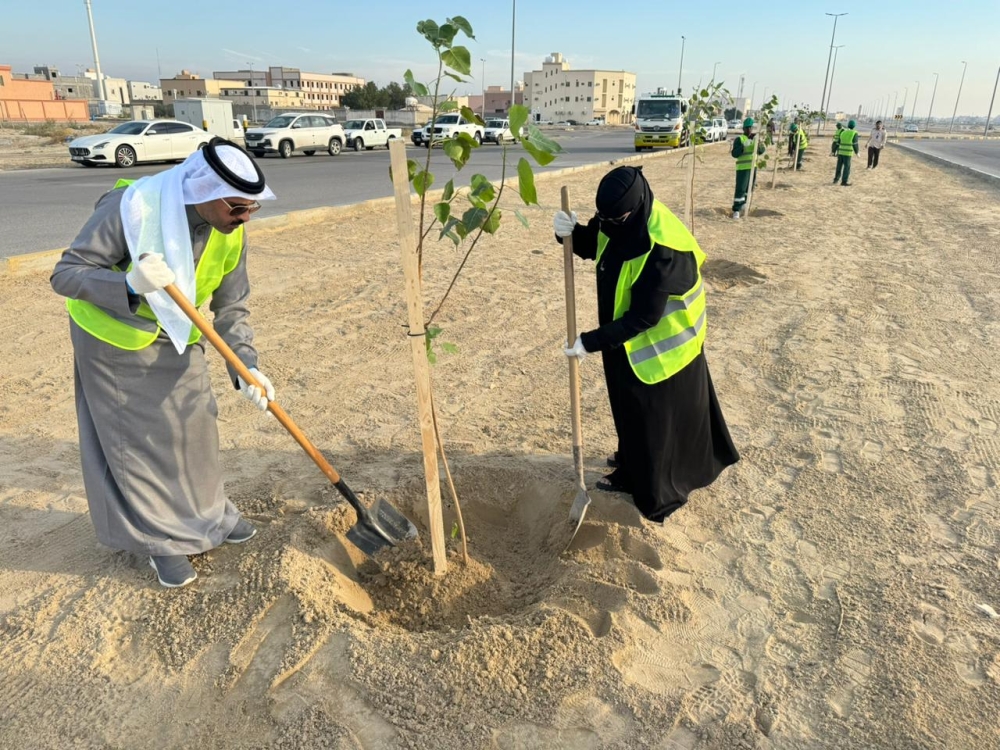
664,346
683,304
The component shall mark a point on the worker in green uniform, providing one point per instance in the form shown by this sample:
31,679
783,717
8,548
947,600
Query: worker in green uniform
800,139
847,146
742,151
834,145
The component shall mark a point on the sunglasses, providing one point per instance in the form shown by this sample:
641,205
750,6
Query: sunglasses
614,222
241,208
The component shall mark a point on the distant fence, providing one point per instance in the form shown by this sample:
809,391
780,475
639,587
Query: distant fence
403,118
59,110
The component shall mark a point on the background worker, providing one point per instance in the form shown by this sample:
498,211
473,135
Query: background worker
847,147
149,442
835,143
876,141
798,139
742,151
672,437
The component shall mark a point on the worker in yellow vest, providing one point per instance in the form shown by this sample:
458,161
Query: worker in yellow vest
149,443
847,147
742,150
672,437
800,140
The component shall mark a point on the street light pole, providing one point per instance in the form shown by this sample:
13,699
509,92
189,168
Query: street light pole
833,72
913,112
253,91
513,19
895,98
680,68
931,108
986,130
902,110
483,108
826,76
753,94
955,112
97,60
713,71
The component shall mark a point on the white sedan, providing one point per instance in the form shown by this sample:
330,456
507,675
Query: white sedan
137,141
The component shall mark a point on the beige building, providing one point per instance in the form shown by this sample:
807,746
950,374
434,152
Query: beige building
497,100
188,85
316,90
264,97
558,93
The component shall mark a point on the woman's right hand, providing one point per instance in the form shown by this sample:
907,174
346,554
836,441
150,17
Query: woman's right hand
564,223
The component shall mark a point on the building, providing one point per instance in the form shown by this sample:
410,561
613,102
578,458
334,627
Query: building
497,100
115,89
317,90
558,93
140,91
264,97
188,85
66,87
25,98
460,101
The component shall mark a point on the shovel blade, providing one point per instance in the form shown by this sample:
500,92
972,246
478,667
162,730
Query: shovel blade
385,527
577,511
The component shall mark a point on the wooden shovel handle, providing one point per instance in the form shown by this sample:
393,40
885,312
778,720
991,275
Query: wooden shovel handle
230,356
574,363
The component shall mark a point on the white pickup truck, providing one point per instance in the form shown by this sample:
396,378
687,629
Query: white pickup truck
449,126
288,133
366,134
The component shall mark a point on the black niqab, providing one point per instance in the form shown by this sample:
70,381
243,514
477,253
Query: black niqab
625,190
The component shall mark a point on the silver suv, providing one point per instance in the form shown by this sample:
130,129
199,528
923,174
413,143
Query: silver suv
291,132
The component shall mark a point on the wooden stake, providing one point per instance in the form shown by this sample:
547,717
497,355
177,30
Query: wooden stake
753,174
777,156
689,202
421,367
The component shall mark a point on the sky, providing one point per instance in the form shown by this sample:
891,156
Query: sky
781,45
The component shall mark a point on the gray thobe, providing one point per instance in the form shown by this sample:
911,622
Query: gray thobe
149,443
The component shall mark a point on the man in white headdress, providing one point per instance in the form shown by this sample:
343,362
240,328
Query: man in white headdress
149,443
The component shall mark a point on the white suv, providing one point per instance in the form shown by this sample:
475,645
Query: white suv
291,132
449,126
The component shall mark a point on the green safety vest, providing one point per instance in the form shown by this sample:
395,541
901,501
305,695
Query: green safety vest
670,345
803,139
221,255
846,141
745,160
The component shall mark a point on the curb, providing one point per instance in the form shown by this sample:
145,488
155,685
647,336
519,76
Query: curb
991,180
45,259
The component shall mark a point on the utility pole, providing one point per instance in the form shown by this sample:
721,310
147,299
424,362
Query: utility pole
986,130
913,112
895,97
833,72
753,93
159,70
902,110
97,59
680,68
253,91
826,76
483,110
714,67
931,108
955,112
513,19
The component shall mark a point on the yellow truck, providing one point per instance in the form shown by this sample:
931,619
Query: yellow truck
659,121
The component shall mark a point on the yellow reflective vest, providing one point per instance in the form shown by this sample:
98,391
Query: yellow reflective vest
670,345
221,255
845,142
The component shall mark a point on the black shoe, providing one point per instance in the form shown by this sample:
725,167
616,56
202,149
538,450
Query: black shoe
605,486
243,531
612,460
846,184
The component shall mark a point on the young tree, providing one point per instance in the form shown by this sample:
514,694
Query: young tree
703,105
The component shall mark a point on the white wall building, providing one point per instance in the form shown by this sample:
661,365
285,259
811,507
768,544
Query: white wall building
140,91
556,93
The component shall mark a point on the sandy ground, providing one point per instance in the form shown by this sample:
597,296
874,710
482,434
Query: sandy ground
19,151
827,592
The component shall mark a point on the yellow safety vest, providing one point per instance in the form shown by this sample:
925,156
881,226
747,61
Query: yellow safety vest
846,142
744,161
221,255
803,139
670,345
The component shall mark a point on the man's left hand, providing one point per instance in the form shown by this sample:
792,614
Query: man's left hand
253,393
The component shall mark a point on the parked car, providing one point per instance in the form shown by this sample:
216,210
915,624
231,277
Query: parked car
713,130
594,123
291,132
498,132
721,128
735,124
366,134
449,126
139,141
417,136
911,127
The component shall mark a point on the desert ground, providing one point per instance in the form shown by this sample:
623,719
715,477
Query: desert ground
835,589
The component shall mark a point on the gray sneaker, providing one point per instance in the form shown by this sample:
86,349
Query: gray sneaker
243,531
173,571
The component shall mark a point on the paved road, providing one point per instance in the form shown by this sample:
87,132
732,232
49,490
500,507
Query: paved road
43,209
982,156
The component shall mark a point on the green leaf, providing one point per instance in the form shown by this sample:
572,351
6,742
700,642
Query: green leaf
518,116
411,168
482,188
492,223
520,217
526,182
447,34
458,58
541,157
456,151
442,211
449,347
430,31
454,530
449,190
464,25
422,182
461,230
542,141
474,218
455,77
433,332
418,89
468,140
431,356
448,105
471,116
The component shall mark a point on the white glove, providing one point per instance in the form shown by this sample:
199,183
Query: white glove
576,350
149,274
563,223
253,393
